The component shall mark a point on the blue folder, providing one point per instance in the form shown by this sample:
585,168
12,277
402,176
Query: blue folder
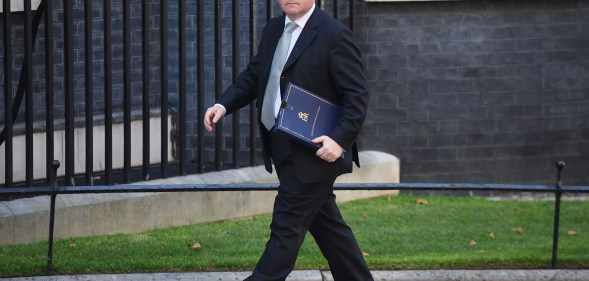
304,116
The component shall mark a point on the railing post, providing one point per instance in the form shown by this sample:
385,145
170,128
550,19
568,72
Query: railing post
558,193
55,165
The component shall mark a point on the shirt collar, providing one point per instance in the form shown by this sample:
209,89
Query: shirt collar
302,20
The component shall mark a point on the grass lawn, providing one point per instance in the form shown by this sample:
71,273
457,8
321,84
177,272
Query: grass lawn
400,232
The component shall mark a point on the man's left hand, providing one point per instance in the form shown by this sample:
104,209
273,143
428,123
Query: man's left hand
330,150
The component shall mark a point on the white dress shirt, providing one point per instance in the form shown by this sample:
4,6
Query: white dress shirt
293,40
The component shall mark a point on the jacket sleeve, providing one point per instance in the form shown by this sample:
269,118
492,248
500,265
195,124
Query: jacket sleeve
243,91
347,71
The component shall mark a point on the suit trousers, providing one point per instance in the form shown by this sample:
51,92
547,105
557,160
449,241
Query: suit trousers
301,207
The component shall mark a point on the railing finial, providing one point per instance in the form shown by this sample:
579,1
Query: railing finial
560,165
55,165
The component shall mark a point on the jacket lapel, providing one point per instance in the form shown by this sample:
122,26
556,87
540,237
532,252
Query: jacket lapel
307,36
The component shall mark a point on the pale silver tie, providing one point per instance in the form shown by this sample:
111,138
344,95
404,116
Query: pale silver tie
273,86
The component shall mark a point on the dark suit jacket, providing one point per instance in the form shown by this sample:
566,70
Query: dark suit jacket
324,60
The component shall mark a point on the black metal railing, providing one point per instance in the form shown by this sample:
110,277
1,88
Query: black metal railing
81,90
558,189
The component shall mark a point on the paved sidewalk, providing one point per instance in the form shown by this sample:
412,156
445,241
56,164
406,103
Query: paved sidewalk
313,275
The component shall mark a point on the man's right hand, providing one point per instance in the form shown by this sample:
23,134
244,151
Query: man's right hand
213,115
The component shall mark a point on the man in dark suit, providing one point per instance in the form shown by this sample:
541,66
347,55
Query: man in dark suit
321,58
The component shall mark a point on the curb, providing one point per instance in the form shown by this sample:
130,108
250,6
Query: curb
314,275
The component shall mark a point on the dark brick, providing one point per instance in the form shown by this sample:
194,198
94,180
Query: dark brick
562,123
476,126
418,114
437,73
506,125
581,121
398,141
370,129
499,112
454,112
425,154
382,114
477,113
558,109
417,128
387,128
449,86
508,138
417,87
387,61
477,72
533,44
418,141
503,151
505,71
446,154
556,136
415,100
387,100
469,153
460,140
448,127
479,139
381,143
441,140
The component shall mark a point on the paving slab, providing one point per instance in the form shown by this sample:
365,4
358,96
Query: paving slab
314,275
299,275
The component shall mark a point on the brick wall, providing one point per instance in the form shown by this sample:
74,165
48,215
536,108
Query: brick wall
461,91
479,91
